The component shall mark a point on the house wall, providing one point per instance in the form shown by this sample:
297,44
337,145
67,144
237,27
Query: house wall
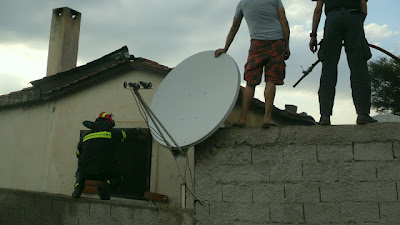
24,134
299,175
38,142
283,175
23,207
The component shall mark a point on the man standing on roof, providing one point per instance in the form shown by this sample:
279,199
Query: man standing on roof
344,23
269,33
96,156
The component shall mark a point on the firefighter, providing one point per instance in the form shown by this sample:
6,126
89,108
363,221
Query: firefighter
96,156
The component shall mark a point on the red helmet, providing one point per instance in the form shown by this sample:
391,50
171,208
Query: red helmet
107,116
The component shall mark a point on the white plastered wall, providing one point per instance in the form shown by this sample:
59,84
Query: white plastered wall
38,143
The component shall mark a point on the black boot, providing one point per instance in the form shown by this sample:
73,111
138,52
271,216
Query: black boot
78,190
79,185
104,189
325,120
365,119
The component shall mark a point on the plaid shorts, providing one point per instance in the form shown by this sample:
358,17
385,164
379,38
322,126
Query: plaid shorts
269,55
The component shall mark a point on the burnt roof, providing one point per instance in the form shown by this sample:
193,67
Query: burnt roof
61,83
291,118
107,67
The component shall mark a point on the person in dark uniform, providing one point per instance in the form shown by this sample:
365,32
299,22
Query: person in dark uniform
344,25
96,156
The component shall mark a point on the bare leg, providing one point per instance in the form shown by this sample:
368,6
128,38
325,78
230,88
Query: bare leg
247,97
269,94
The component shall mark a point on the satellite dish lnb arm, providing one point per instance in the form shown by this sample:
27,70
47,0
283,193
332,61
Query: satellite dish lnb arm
154,118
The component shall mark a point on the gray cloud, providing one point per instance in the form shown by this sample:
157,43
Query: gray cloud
166,32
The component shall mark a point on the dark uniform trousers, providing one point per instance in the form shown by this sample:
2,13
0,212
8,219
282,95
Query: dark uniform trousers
343,25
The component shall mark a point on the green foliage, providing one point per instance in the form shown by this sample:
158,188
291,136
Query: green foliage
385,84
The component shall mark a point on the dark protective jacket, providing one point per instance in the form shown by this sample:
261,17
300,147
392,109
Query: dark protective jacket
337,4
96,151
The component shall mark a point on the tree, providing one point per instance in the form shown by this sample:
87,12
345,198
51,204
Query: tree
385,84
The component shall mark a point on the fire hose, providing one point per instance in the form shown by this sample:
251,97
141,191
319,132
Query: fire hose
311,68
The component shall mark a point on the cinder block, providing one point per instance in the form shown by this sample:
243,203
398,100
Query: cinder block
373,151
398,190
255,213
357,171
34,216
318,213
61,207
250,173
225,155
79,209
204,222
359,212
167,217
202,211
238,155
89,220
271,193
320,172
114,221
18,200
99,210
122,214
396,148
285,172
390,212
237,193
287,213
44,204
302,192
66,219
361,191
188,217
300,153
389,171
3,213
223,212
204,171
209,190
334,153
15,216
144,216
204,151
267,153
51,218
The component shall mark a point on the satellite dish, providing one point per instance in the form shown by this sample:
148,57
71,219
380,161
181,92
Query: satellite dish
195,98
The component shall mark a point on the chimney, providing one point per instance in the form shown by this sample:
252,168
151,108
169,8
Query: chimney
64,40
291,108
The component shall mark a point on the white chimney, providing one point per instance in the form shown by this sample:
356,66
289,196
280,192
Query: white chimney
64,40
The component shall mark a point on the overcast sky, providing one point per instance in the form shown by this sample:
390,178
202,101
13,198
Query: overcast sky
170,31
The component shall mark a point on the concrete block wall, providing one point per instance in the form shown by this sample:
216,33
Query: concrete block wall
299,175
31,208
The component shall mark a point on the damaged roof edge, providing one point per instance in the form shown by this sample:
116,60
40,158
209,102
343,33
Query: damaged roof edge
72,80
24,96
119,55
295,118
105,67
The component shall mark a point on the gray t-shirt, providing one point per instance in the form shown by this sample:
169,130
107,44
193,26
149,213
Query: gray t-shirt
262,18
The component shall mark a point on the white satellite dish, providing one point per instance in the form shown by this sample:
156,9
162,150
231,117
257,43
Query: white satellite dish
195,98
